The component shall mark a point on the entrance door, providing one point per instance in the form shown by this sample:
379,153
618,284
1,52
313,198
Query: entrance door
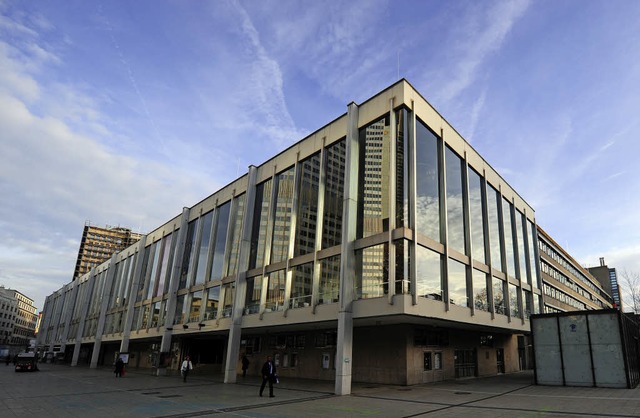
465,363
500,359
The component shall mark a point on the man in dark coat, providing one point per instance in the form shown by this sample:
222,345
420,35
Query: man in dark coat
245,365
268,375
119,367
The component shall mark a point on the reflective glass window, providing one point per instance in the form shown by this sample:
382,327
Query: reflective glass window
180,317
155,314
508,237
165,265
302,285
499,306
229,291
282,217
334,169
372,278
254,292
428,273
196,306
373,179
236,231
514,307
402,169
480,294
427,183
213,300
527,303
275,291
455,217
532,256
457,283
152,268
307,216
476,222
402,264
203,253
189,248
522,255
329,290
222,224
493,202
260,224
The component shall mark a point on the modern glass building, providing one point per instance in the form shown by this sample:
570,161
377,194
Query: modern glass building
381,248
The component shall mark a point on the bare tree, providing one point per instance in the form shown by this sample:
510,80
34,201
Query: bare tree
629,282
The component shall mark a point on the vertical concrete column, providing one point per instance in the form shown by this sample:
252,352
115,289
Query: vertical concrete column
176,268
131,299
347,260
413,198
235,331
69,306
83,315
106,297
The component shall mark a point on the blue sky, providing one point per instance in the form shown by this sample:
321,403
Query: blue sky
122,112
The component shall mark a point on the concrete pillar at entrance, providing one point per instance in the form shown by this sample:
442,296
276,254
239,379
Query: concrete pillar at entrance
235,332
347,260
83,316
176,268
97,345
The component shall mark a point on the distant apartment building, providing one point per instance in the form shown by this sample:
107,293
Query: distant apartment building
17,321
99,244
567,286
608,278
381,248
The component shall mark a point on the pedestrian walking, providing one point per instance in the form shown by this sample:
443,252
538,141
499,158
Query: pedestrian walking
119,367
186,367
268,375
245,365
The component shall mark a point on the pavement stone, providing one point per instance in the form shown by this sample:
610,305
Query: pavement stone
58,390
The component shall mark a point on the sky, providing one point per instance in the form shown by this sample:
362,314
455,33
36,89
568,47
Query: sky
122,113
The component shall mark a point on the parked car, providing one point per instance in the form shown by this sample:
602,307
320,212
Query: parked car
27,362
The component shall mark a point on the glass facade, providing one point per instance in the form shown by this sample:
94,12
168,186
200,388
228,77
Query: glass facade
419,219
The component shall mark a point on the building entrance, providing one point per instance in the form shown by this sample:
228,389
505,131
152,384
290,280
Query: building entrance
465,363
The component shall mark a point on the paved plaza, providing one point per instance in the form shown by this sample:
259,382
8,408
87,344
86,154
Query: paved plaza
64,391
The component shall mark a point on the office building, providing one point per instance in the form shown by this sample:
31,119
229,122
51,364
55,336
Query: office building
17,322
381,248
567,286
99,244
608,278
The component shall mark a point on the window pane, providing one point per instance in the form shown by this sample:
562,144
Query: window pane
196,306
427,185
480,295
165,271
260,223
498,296
275,291
493,202
455,217
477,220
429,273
189,248
334,167
254,292
373,179
513,301
180,310
532,256
229,290
282,220
371,272
152,268
302,285
307,216
457,283
508,238
402,169
222,226
329,290
204,247
236,230
213,299
527,302
522,255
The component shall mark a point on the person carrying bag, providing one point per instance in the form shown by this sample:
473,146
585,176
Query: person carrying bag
186,367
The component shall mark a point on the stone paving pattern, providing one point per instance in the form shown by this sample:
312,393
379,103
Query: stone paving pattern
63,391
